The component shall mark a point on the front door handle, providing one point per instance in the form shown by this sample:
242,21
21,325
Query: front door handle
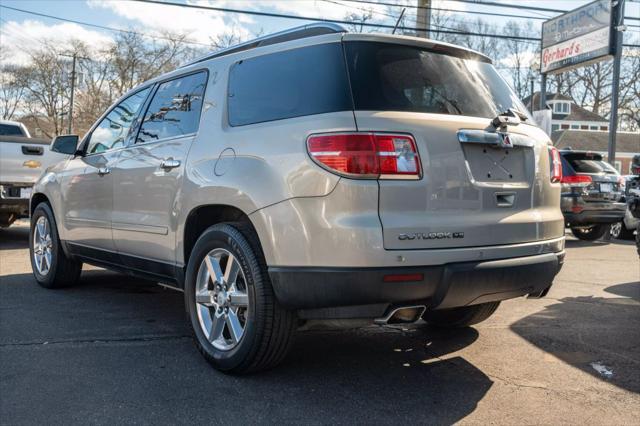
169,163
104,171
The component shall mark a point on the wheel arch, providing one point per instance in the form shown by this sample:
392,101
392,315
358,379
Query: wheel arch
36,199
204,216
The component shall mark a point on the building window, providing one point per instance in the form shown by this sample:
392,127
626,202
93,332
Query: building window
593,127
561,107
618,165
584,127
605,128
575,127
565,126
555,127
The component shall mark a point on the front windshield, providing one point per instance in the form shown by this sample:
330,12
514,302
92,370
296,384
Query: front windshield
393,77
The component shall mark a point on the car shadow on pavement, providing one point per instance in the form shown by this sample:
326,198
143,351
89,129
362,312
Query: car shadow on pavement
570,243
600,336
362,370
14,237
370,375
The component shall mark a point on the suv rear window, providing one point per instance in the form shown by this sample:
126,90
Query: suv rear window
293,83
589,163
393,77
10,130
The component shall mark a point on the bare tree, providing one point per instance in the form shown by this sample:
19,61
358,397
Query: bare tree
12,90
357,20
47,89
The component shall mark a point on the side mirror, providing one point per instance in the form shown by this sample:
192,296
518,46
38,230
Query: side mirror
67,144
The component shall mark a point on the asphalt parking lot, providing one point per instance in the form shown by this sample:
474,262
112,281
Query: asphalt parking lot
116,350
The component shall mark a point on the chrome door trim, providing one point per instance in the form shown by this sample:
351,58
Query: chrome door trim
135,227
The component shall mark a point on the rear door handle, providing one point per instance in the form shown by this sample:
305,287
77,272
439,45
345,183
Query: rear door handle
169,163
104,171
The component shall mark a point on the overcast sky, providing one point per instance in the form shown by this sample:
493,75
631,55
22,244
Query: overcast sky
20,30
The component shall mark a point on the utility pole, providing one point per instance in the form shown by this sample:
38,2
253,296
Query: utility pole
532,79
423,21
74,57
618,29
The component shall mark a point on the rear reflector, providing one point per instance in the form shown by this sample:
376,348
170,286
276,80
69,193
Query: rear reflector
555,165
577,180
396,278
366,155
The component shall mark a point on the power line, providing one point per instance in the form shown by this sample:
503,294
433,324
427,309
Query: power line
472,12
482,3
334,21
44,15
413,21
268,14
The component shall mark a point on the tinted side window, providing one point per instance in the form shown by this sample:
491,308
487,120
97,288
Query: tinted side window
113,130
10,130
293,83
174,109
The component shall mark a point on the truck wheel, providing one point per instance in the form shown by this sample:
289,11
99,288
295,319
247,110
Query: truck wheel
589,232
51,267
6,219
461,317
238,323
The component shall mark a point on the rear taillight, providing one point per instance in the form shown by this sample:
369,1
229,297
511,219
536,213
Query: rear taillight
366,155
555,165
577,180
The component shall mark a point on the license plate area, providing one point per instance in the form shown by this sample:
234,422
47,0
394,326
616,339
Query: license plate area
489,164
606,187
16,192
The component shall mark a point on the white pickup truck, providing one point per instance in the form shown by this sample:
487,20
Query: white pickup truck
22,161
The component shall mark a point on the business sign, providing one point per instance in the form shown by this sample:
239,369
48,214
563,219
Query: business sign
577,37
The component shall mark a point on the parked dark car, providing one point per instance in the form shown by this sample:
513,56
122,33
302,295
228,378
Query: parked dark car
591,194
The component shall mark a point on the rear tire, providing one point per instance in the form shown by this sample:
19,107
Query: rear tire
460,317
590,232
619,230
51,267
266,329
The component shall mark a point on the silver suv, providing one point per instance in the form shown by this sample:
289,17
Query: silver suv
309,175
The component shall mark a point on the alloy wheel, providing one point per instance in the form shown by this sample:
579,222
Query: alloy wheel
42,246
616,229
222,300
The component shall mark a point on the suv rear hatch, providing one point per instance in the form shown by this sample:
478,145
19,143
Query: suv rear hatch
605,182
477,188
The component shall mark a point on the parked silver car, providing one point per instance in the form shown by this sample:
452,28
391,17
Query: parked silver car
311,174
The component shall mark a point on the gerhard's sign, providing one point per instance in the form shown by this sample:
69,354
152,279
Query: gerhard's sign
577,37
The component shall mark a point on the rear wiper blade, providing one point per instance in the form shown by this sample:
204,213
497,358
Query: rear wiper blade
520,114
511,116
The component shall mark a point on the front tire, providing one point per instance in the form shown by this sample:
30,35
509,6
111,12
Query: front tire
238,324
589,232
460,317
51,267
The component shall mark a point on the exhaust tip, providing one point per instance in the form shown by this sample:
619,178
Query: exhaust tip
402,315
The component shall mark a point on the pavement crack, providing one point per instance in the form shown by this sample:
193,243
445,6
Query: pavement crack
97,340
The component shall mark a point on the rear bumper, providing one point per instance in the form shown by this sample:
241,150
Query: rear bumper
594,216
438,287
578,212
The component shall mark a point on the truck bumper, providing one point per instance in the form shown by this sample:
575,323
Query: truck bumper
438,287
11,202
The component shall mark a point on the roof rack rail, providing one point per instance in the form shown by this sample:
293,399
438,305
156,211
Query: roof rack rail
296,33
